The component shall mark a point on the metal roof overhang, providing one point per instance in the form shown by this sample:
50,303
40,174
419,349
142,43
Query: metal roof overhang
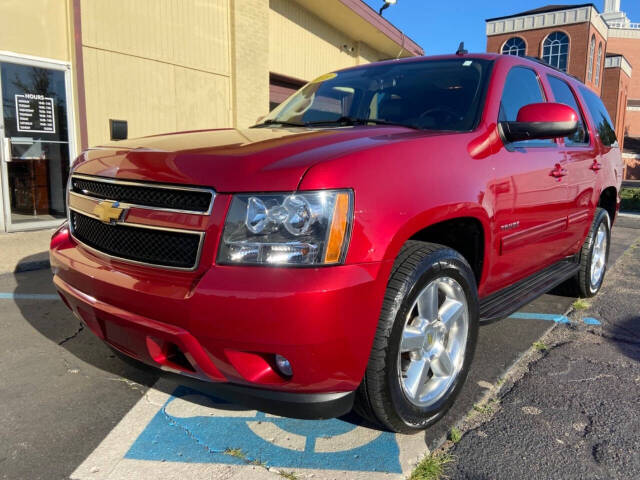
362,23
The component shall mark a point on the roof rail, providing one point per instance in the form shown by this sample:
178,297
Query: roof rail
542,62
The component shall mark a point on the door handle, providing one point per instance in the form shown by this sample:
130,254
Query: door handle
595,166
558,172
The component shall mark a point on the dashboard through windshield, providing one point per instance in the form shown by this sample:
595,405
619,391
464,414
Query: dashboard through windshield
432,95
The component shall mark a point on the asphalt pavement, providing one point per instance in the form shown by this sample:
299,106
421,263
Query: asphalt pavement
73,408
572,412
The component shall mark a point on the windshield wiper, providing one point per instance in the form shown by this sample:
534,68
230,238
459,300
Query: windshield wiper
362,121
266,123
340,121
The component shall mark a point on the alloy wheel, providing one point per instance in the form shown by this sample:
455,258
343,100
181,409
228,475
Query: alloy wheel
599,256
433,342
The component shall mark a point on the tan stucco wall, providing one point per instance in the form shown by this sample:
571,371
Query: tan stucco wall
156,64
303,46
250,60
35,27
164,66
368,54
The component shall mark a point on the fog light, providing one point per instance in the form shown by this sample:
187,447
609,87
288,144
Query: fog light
284,366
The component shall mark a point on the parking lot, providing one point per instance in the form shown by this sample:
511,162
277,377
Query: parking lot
73,408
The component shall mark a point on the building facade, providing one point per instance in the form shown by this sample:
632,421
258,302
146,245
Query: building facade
70,70
599,49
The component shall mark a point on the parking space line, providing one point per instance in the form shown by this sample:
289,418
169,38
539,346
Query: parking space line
552,318
28,296
541,316
591,321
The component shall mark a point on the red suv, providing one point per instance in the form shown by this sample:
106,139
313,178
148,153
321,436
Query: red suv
346,249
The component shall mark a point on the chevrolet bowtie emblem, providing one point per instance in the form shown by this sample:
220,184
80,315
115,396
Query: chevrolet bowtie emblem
108,212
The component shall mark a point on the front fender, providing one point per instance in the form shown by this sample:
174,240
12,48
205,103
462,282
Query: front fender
436,215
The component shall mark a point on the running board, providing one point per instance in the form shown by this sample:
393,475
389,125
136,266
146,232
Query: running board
504,302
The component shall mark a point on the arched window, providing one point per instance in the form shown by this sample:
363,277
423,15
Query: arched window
555,50
599,64
592,52
515,46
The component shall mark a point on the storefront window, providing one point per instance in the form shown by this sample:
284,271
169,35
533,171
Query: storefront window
35,143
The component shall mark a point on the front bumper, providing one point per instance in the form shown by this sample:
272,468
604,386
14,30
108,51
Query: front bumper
310,406
226,324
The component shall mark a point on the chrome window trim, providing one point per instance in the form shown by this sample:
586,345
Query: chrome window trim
200,234
147,185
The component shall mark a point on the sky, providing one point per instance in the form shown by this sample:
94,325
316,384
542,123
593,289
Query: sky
439,26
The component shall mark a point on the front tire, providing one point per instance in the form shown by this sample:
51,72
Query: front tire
425,340
594,255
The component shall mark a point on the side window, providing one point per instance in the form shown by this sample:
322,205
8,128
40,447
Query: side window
563,94
521,88
602,121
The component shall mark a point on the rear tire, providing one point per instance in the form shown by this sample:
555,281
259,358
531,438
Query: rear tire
425,340
594,255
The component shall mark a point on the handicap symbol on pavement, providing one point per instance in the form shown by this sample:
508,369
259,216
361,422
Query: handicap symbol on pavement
198,428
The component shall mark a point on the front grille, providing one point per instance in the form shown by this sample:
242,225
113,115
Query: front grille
160,197
156,247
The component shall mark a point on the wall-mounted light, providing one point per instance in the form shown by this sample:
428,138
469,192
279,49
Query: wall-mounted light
387,4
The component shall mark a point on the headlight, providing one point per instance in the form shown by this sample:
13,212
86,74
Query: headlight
308,228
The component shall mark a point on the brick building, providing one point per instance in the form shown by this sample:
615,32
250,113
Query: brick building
599,49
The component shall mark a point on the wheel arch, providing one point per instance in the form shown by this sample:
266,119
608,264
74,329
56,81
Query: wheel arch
465,230
609,201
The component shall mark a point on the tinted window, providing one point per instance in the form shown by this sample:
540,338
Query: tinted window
436,94
521,88
24,85
602,121
563,94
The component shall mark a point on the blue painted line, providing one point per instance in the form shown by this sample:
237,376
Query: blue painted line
28,296
204,440
541,316
591,321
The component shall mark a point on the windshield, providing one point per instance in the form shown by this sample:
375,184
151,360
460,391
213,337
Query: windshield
434,95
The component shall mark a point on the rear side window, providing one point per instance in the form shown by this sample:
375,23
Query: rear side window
602,121
563,94
521,88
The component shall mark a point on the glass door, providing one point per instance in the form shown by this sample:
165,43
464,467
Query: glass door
35,144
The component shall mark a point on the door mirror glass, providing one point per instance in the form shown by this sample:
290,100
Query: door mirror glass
541,121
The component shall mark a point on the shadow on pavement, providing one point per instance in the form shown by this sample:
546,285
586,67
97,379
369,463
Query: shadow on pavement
624,333
55,322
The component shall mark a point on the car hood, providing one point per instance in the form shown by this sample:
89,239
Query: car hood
232,160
